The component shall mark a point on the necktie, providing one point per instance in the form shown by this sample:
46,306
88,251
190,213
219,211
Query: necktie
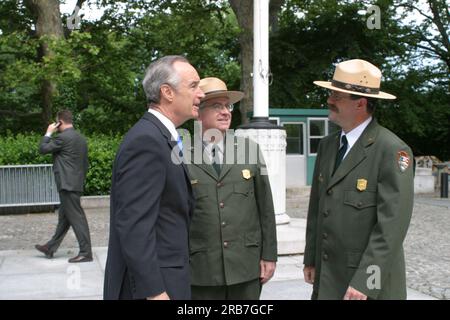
341,152
215,159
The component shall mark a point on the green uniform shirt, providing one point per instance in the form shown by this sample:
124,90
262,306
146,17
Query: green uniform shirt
233,225
358,217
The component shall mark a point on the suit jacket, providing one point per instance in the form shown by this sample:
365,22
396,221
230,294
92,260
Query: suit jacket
358,217
151,204
233,226
70,159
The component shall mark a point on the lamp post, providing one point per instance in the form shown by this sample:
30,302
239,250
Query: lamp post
270,137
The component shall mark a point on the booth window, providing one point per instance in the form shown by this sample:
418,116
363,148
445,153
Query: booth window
294,138
318,128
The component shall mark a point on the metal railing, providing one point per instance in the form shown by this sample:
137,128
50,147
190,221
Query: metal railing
27,188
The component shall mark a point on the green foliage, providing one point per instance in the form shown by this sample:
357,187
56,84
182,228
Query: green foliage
22,149
313,36
97,71
102,151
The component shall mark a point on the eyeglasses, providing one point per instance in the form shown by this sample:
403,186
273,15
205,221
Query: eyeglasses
218,107
337,96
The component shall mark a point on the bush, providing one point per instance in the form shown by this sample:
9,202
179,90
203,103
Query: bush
102,151
22,149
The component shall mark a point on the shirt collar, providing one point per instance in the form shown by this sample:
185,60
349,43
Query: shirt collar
354,135
166,122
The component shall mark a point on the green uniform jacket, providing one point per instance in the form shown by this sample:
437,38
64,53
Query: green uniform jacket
233,225
358,218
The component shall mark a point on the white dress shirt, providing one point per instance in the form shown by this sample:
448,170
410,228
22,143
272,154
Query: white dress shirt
166,122
353,136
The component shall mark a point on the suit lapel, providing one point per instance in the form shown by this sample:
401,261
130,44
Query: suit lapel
209,169
166,133
226,167
355,156
335,143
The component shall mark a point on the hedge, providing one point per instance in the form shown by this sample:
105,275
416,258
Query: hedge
22,149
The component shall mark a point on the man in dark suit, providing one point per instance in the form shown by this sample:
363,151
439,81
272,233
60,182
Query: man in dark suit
151,197
361,196
233,243
70,165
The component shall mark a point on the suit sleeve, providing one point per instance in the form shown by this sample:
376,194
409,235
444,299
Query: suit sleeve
394,210
50,145
311,225
140,179
266,212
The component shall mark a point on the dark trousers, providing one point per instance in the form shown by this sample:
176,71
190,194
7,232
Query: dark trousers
250,290
70,214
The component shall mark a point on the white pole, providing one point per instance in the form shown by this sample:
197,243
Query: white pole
261,58
271,138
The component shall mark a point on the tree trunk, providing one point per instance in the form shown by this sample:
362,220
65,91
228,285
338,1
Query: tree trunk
48,23
243,9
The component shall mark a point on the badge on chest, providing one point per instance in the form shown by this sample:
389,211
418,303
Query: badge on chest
361,184
246,174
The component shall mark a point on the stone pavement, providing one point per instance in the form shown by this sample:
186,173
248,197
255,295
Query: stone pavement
28,275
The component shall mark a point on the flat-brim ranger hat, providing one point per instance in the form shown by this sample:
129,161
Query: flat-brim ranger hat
357,77
216,88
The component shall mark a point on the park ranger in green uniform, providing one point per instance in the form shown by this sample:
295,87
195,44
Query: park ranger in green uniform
361,197
233,245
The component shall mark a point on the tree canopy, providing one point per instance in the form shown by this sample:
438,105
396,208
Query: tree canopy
96,71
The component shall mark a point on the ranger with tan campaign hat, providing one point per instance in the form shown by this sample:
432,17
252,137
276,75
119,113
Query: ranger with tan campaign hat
215,88
233,241
357,77
361,196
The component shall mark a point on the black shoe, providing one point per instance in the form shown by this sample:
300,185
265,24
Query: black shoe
80,259
45,250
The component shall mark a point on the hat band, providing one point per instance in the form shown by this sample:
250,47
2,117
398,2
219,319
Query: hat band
215,91
354,87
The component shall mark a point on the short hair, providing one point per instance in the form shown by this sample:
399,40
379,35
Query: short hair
158,73
65,115
371,102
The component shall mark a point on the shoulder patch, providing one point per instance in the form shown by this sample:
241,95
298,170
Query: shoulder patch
403,160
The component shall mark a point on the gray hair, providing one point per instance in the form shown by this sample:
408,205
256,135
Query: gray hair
158,73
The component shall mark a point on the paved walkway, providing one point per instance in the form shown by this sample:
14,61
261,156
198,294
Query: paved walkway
27,274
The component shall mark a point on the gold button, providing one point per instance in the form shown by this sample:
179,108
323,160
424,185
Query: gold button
223,224
225,244
221,205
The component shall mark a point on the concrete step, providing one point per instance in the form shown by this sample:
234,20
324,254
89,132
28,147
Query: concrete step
302,192
291,237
